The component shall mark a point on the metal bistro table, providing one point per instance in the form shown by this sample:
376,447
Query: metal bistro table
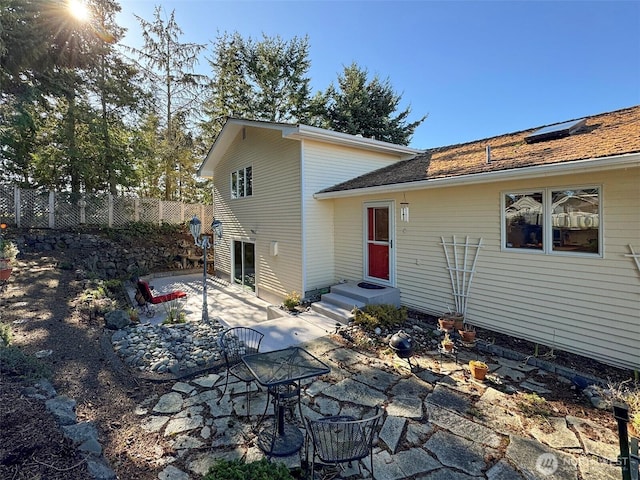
274,369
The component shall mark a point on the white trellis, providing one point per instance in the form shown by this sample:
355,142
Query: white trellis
635,256
461,263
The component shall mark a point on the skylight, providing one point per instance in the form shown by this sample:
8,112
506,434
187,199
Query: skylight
558,130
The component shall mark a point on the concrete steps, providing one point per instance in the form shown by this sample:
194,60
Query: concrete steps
342,298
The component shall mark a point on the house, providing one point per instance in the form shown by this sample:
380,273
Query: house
534,234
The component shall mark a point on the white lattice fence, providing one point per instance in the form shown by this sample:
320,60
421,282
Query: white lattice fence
124,211
67,211
97,210
38,209
7,205
172,212
34,208
149,210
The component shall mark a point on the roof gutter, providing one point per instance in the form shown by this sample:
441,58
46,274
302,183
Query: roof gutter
537,171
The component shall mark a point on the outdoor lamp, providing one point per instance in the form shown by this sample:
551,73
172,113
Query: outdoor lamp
195,227
216,226
404,211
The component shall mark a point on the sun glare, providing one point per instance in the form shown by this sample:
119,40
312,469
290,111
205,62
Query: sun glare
79,10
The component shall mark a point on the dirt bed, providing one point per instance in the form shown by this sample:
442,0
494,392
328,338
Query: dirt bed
39,304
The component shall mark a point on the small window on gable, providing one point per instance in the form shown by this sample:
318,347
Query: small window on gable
242,183
552,221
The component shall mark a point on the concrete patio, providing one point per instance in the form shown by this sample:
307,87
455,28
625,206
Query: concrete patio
438,423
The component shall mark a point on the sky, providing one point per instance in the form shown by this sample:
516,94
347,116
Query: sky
476,68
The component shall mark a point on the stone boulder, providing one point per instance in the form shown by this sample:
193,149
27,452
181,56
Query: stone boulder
117,319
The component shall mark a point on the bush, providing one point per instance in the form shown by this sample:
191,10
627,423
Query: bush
238,470
382,316
15,362
5,334
292,300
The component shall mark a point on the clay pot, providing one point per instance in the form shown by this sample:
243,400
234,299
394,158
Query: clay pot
447,346
445,323
5,273
467,337
478,371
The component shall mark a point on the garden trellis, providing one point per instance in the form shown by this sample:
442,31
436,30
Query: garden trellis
461,263
635,256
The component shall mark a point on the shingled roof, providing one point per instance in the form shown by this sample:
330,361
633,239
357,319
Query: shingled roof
604,135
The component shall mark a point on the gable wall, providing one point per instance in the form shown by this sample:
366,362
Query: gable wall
274,210
589,306
323,166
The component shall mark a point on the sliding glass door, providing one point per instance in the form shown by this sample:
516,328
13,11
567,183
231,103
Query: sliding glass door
244,264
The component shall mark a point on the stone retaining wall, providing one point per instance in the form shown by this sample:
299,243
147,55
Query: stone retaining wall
108,258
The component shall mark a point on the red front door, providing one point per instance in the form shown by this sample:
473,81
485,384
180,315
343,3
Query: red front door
378,242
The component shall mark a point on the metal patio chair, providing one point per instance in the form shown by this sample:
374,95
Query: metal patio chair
342,439
235,343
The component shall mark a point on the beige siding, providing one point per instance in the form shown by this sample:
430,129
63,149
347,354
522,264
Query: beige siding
324,166
273,212
585,305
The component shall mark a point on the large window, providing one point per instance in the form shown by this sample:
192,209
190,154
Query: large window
241,183
552,220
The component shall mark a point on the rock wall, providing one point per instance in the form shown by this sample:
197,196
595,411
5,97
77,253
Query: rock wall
109,258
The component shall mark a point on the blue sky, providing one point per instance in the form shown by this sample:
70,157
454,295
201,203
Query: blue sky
477,68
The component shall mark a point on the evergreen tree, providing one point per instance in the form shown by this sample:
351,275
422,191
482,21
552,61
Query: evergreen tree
169,66
115,84
361,107
259,80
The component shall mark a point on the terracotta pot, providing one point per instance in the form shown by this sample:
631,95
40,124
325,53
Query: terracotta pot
5,273
448,346
467,337
478,372
445,323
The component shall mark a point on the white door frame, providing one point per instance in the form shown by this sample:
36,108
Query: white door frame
390,205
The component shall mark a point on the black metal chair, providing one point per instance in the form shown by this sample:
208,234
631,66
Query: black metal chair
235,343
342,439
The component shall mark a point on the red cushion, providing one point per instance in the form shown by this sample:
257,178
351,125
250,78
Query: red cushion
168,297
148,296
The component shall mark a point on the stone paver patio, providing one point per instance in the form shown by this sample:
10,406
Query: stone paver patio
440,426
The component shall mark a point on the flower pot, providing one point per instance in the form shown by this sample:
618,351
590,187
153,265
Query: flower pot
447,346
467,336
456,318
445,323
5,273
478,371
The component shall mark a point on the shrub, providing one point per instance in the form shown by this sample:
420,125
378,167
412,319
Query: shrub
627,392
5,334
292,300
383,316
15,362
238,470
8,250
533,405
175,312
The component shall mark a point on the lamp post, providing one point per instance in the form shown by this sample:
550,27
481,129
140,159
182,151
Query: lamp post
195,226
